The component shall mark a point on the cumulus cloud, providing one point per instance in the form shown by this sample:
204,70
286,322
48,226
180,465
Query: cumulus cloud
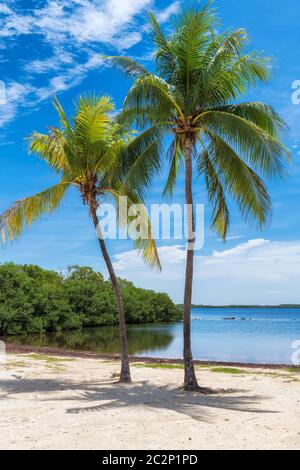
84,21
16,94
258,271
71,29
99,21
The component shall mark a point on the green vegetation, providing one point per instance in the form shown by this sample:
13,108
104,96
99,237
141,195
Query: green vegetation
227,370
15,365
159,366
50,359
294,370
35,300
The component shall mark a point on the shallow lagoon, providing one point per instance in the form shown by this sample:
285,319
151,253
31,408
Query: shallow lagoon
253,335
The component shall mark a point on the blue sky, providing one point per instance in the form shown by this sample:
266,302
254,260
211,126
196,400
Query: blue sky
49,47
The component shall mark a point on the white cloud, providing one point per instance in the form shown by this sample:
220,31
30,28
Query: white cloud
70,78
259,271
29,96
4,9
131,261
231,238
16,95
240,249
99,21
71,28
164,15
59,59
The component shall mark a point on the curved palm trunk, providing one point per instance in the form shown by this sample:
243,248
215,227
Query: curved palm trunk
125,370
190,381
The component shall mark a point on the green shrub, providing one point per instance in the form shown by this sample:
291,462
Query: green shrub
35,300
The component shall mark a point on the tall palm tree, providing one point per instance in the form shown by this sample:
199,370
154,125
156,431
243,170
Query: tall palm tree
194,97
93,154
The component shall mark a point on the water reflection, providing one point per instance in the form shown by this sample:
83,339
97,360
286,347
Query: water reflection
104,340
251,335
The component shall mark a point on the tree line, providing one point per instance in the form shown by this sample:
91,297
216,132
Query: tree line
35,300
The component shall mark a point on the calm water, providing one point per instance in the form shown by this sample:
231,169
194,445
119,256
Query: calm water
256,335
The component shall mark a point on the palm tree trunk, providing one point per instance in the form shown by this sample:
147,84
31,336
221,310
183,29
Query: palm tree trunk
190,380
125,376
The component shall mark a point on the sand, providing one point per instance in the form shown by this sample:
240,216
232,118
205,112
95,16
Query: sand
75,403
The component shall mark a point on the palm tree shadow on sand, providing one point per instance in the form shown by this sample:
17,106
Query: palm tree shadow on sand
108,395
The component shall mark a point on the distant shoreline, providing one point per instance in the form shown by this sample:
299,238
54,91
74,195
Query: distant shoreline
244,306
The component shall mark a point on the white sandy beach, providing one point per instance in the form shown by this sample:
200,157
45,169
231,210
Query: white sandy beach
60,403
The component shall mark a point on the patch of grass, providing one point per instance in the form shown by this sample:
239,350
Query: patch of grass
223,370
293,370
55,368
275,375
49,359
228,370
158,366
15,364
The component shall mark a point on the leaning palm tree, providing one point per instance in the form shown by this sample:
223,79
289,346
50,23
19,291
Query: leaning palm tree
194,97
93,154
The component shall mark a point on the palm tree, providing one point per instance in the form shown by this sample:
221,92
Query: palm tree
194,97
94,154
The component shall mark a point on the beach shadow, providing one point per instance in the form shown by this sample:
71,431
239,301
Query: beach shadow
108,395
166,398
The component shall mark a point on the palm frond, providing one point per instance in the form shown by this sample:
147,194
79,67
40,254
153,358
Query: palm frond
145,242
50,148
216,196
63,117
26,211
240,182
164,57
261,115
176,161
137,220
193,35
265,152
140,160
128,66
224,48
92,120
93,130
152,91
